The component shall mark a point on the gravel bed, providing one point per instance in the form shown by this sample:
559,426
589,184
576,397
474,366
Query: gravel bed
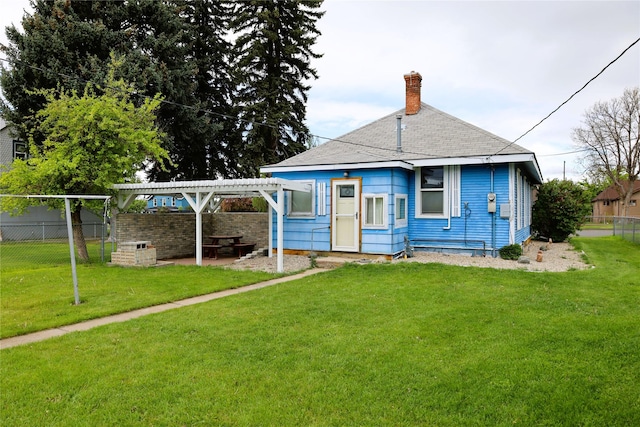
555,257
292,263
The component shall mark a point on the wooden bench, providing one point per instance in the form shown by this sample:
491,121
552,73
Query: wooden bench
212,250
243,248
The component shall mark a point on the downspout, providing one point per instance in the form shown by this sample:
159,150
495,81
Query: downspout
448,226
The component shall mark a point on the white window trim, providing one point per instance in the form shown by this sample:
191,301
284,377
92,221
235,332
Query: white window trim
401,198
445,195
322,199
303,215
22,153
385,211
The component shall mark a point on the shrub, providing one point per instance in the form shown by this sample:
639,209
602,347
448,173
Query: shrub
560,210
260,204
240,204
512,252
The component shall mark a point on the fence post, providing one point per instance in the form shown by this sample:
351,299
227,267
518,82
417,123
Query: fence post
76,294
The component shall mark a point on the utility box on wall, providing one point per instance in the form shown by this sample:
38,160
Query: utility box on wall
505,211
491,202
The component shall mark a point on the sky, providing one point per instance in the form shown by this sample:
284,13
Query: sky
500,65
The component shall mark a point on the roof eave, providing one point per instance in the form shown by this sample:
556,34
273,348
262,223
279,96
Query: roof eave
337,166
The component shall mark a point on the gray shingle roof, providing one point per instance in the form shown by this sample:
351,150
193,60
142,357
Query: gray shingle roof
429,134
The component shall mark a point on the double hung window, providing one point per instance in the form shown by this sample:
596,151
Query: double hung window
437,191
375,210
431,191
20,150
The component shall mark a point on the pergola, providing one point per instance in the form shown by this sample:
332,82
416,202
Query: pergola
203,194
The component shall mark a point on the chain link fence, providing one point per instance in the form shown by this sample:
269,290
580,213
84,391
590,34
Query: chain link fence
627,227
46,242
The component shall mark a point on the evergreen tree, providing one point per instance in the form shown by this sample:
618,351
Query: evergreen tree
210,51
215,95
274,50
69,42
60,45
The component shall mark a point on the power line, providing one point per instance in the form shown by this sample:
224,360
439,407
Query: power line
569,99
141,95
582,150
225,116
198,109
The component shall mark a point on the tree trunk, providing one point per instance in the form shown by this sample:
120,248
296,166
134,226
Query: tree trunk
627,197
78,234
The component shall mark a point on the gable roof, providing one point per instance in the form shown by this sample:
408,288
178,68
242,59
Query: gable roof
429,137
610,193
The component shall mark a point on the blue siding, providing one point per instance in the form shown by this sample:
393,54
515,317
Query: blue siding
475,224
315,233
311,233
168,202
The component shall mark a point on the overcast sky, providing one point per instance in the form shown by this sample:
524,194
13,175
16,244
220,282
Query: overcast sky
502,66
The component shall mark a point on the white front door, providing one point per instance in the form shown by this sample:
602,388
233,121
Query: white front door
345,215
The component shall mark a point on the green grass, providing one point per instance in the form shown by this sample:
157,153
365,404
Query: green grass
381,345
596,226
36,287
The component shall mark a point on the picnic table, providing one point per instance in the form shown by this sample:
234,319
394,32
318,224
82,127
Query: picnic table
232,241
215,239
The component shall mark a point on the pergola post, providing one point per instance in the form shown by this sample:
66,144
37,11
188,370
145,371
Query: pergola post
280,259
270,231
198,230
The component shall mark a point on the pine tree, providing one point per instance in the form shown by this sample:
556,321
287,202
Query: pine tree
207,22
60,45
217,96
69,43
274,50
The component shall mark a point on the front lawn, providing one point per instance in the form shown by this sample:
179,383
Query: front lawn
380,345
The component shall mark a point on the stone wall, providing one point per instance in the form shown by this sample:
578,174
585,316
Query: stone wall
173,235
254,226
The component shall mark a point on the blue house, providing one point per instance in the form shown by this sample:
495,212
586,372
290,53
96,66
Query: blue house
168,203
418,175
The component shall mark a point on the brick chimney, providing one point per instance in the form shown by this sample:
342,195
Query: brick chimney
413,81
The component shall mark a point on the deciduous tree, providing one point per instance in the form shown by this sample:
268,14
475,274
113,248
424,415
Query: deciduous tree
90,142
610,134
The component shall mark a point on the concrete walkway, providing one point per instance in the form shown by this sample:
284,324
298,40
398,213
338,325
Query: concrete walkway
123,317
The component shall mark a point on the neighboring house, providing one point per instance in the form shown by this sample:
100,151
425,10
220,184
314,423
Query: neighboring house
609,203
419,174
168,204
39,223
10,147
